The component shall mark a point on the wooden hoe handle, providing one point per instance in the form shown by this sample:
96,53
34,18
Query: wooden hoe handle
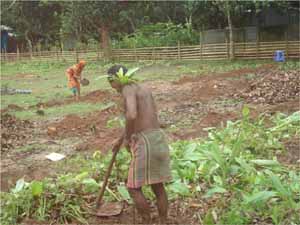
108,172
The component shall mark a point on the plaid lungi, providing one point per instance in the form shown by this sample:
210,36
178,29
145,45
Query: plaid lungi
150,163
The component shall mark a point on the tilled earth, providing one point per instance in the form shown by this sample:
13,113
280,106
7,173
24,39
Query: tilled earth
186,107
273,87
14,132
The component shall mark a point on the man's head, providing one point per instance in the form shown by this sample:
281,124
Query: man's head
81,64
112,76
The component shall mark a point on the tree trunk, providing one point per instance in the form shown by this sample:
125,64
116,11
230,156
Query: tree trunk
105,40
231,47
132,24
29,43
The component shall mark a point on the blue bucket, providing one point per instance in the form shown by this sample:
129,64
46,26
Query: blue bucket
279,56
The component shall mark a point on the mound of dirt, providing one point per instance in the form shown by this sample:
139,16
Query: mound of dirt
13,131
92,97
273,86
11,107
235,73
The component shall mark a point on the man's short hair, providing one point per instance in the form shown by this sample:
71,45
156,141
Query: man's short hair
112,71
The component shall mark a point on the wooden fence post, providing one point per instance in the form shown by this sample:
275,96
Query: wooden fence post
178,51
227,47
201,51
98,52
56,54
18,53
152,54
135,54
286,44
201,44
77,56
119,55
257,43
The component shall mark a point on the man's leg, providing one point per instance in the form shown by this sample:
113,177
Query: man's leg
78,92
73,90
140,203
162,201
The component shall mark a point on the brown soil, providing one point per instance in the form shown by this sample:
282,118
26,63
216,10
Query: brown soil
14,132
180,212
230,74
212,119
92,129
92,97
272,86
11,107
21,76
292,153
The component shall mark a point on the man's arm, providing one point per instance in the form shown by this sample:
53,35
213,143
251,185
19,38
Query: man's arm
129,95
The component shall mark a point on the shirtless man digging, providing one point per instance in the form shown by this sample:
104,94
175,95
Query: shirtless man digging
149,149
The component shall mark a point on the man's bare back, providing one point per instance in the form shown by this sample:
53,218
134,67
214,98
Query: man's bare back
140,109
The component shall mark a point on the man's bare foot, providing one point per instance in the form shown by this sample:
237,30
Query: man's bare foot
163,220
146,219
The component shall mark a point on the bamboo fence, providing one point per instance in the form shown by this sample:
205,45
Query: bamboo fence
247,50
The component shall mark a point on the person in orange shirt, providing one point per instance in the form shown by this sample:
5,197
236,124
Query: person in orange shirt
74,76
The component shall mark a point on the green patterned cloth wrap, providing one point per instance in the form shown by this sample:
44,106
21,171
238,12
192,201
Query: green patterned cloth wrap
150,162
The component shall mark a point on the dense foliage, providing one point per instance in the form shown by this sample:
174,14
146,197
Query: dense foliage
160,34
236,165
51,23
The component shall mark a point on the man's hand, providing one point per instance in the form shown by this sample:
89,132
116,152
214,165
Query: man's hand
117,144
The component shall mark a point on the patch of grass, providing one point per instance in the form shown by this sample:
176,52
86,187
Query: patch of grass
31,147
58,111
290,65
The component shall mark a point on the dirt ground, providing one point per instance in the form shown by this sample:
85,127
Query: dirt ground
186,107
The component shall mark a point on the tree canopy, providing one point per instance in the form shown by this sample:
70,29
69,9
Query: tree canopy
48,23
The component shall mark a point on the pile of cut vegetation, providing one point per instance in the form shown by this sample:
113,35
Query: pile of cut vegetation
273,86
13,131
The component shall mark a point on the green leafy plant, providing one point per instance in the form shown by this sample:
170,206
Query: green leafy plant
236,165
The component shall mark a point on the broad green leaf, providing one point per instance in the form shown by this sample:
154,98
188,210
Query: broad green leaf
132,71
36,188
216,154
245,111
284,192
247,168
123,192
192,156
214,190
90,181
208,219
19,185
90,185
191,147
82,176
218,180
265,162
261,196
97,155
180,188
120,73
